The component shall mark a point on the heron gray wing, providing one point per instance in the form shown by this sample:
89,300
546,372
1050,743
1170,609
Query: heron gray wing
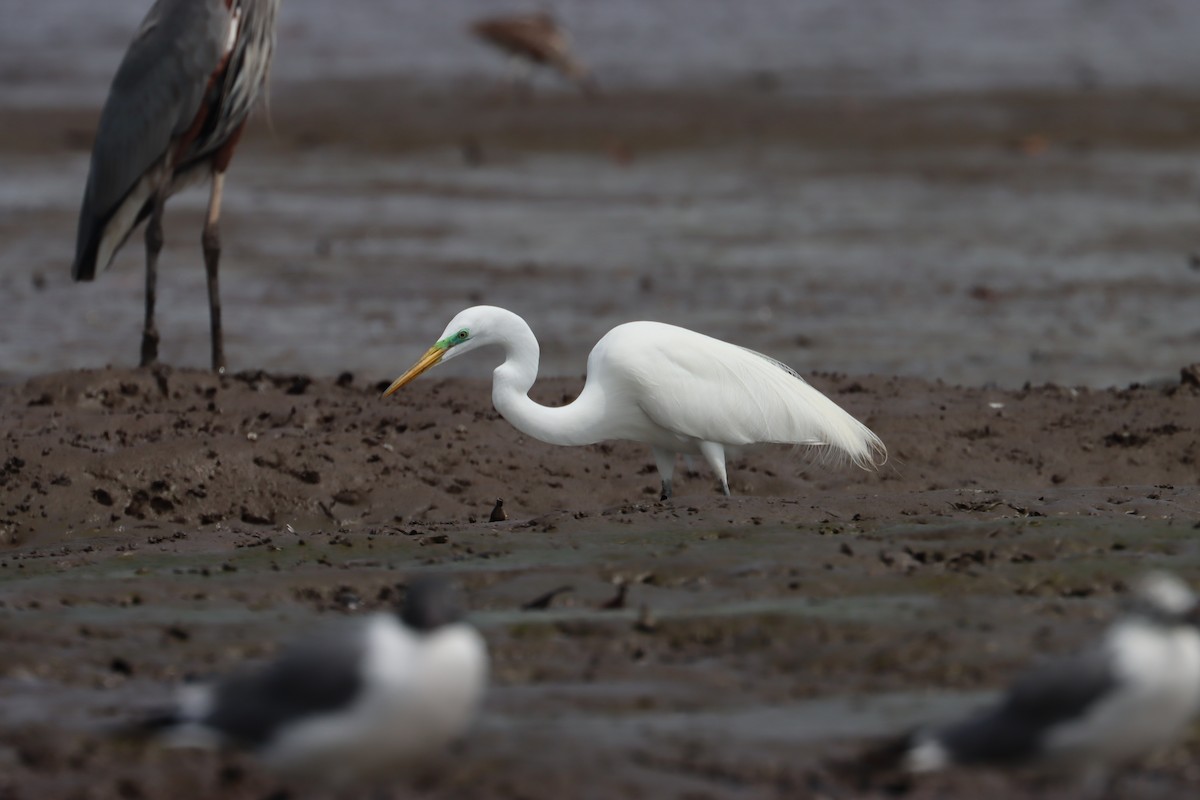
315,676
1039,700
155,96
249,65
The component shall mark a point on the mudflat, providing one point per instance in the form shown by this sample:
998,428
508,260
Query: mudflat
974,233
167,523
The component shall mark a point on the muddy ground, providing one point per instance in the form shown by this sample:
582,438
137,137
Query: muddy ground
943,203
168,523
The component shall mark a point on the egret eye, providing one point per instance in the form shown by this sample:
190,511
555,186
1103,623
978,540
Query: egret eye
461,335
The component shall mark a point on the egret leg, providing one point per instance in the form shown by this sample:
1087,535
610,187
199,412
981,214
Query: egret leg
665,461
714,454
210,240
154,243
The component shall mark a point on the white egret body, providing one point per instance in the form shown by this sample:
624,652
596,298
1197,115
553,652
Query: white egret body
676,390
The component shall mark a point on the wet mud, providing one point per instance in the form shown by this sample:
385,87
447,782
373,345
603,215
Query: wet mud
161,524
977,236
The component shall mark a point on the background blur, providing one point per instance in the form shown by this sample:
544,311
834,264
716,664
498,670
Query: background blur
959,189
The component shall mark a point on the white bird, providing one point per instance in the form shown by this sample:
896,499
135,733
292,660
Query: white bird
354,703
676,390
1133,694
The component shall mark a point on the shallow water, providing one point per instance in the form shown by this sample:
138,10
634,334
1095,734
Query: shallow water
974,263
66,52
1069,270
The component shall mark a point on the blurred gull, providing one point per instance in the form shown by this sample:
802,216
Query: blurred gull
1132,694
352,703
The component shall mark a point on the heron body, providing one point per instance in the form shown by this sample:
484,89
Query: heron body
537,39
174,114
350,704
671,388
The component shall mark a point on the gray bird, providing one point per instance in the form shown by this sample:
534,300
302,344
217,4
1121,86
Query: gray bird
1135,692
350,704
173,117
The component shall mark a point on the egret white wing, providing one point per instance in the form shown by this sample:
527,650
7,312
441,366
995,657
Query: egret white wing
710,390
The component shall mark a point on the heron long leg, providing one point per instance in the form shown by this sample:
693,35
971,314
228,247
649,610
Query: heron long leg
210,239
154,243
714,454
665,461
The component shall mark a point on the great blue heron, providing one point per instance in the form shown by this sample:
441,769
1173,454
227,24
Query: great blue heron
537,39
173,117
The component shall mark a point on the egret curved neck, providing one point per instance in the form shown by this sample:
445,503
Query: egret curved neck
511,382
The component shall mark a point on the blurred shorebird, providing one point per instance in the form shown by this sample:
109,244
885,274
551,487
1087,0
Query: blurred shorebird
1134,693
352,704
537,40
174,114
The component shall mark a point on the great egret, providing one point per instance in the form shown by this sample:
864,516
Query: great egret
676,390
352,703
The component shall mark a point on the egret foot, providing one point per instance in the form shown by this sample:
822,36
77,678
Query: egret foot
664,460
714,454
